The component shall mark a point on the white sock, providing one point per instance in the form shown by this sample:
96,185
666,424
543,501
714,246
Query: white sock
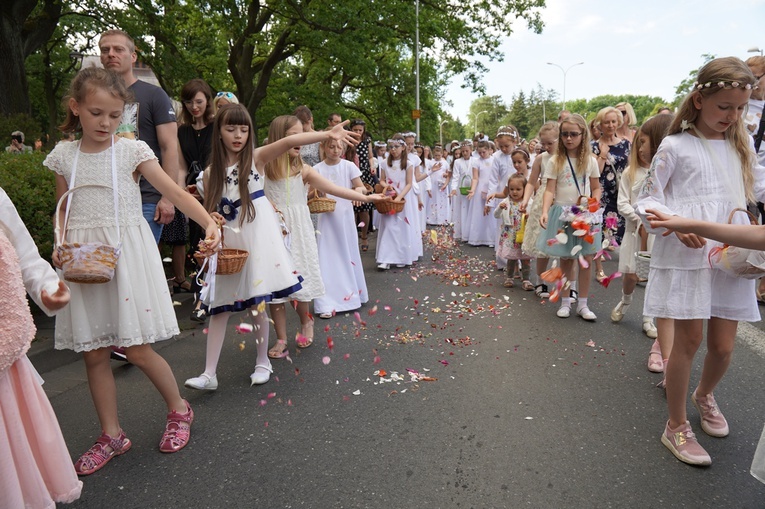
582,303
565,302
626,298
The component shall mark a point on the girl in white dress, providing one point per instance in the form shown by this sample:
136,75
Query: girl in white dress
395,240
438,206
462,176
132,310
704,169
481,226
645,144
233,186
339,255
572,174
548,140
501,170
287,181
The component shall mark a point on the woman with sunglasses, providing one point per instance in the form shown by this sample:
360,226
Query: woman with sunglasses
613,153
222,99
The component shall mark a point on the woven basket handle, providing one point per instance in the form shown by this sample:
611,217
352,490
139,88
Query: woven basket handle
61,238
752,219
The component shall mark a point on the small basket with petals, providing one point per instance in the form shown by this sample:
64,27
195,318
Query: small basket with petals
319,204
390,206
84,262
230,261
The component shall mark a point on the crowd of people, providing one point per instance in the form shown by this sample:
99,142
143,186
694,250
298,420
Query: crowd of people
559,203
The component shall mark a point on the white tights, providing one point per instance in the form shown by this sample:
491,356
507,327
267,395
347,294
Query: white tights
216,333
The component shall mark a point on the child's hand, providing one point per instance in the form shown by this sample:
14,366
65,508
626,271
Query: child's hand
340,134
503,205
211,243
470,195
420,206
453,193
219,219
57,300
522,206
430,195
690,240
543,220
374,198
56,258
486,210
490,197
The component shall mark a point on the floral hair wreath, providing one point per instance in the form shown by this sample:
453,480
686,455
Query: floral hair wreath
466,143
380,144
726,84
419,145
396,142
506,132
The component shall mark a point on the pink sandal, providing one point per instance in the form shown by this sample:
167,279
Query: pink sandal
105,448
177,431
279,350
655,361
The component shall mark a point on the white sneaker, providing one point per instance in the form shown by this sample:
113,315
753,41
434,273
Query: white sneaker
586,314
618,312
261,374
384,266
563,312
202,382
400,265
650,330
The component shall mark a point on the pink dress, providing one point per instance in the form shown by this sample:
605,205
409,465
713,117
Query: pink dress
36,470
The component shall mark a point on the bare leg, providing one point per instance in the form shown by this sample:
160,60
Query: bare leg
279,316
629,281
103,390
666,329
688,334
584,278
306,321
179,264
721,335
541,266
156,368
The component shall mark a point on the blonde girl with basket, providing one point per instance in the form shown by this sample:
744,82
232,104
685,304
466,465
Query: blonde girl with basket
572,186
133,309
287,180
646,144
704,169
535,188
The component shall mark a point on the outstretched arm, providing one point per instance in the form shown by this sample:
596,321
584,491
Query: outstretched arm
267,153
742,235
324,185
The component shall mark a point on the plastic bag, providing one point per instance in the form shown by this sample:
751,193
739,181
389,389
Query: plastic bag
738,261
521,230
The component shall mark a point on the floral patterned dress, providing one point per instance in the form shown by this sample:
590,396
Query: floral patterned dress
362,151
618,157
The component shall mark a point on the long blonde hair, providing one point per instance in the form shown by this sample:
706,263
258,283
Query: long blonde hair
725,70
655,128
279,168
584,151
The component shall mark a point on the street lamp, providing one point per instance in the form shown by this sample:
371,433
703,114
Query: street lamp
565,71
755,49
475,120
441,132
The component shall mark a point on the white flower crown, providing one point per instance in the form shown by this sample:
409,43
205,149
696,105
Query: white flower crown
723,84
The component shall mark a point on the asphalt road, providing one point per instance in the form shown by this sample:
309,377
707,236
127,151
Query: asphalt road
525,410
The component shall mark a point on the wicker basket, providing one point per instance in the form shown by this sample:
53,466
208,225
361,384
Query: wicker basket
230,261
389,206
319,205
379,188
84,262
642,264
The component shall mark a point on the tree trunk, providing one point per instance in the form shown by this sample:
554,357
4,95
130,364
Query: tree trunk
20,36
13,77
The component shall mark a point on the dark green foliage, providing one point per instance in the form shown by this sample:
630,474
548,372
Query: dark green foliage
32,189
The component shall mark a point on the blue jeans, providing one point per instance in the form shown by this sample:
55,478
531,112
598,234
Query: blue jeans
148,214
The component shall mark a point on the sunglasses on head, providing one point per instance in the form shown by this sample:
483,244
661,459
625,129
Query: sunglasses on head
227,95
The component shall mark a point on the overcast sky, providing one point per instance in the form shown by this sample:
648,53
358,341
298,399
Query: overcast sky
643,47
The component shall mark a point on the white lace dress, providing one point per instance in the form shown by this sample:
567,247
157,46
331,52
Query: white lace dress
133,308
289,196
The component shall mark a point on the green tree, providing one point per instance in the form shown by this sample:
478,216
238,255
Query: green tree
686,85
